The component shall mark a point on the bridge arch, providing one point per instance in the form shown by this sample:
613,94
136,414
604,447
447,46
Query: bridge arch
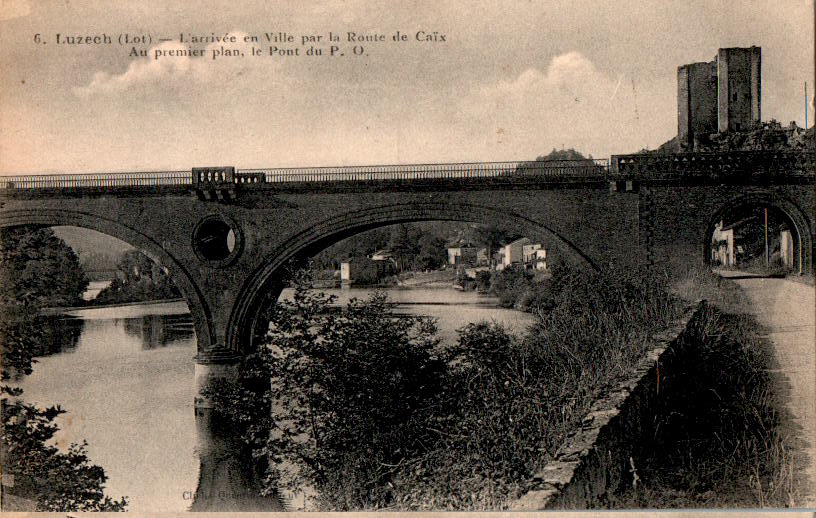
196,304
799,223
264,285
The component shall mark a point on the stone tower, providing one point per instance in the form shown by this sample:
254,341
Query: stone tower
717,96
738,88
696,102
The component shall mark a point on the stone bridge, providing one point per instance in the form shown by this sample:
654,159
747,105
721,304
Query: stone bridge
227,237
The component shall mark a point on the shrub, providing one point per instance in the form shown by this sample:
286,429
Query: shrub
58,481
350,395
369,411
716,438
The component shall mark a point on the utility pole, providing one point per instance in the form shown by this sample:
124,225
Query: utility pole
767,256
806,104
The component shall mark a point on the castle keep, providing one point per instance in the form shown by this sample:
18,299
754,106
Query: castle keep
718,96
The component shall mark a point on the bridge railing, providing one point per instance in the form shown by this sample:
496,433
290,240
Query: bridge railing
550,169
716,165
98,180
553,169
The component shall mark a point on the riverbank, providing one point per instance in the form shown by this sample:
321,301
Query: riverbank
504,404
433,279
175,306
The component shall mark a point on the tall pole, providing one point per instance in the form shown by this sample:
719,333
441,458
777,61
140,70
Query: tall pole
806,104
767,256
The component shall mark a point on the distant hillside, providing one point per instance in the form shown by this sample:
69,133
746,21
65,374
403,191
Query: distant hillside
97,252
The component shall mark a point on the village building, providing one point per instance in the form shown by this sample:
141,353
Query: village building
464,255
521,251
722,246
361,271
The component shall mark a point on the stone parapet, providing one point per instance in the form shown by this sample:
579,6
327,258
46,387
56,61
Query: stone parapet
595,459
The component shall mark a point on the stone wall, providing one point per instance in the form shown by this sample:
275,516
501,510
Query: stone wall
595,461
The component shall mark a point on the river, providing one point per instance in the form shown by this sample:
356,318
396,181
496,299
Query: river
125,377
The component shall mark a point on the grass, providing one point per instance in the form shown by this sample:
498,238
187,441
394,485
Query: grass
719,437
518,398
505,403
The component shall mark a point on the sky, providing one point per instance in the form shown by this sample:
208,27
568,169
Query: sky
511,81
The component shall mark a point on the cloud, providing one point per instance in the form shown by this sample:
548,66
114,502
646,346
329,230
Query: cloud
568,76
10,9
569,103
172,62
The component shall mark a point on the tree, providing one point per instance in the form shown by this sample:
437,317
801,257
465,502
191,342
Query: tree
401,245
432,254
139,279
350,395
58,481
37,268
492,237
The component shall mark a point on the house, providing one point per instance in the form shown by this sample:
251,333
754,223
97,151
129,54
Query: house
358,271
786,248
498,260
538,259
514,252
464,255
481,257
382,255
722,246
522,252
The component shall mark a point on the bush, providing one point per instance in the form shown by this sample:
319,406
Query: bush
716,438
57,481
351,394
369,411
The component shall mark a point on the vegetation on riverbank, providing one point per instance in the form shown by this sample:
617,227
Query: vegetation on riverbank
137,279
373,413
38,270
717,437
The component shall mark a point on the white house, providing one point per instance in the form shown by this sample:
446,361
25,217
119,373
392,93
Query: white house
786,248
722,246
514,252
522,251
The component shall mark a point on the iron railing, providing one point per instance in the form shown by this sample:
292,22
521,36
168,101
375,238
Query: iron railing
551,169
221,176
640,166
97,180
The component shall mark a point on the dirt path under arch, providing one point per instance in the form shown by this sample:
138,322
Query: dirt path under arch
786,309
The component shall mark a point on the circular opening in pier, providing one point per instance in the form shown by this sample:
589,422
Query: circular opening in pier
216,240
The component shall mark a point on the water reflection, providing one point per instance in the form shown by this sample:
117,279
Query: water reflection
125,375
159,330
127,386
229,477
58,335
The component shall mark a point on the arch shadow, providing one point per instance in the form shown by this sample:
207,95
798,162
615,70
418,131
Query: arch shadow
196,304
797,220
265,284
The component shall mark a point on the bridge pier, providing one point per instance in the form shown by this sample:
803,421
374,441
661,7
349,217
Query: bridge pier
229,479
212,364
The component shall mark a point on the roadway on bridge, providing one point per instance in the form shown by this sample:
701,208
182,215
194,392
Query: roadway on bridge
786,309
